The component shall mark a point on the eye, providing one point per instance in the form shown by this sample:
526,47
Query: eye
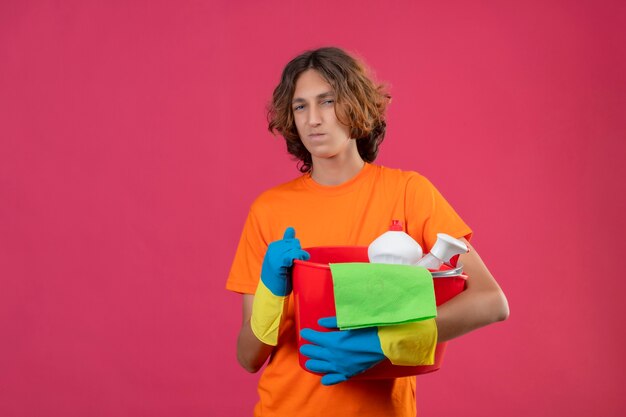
329,101
298,107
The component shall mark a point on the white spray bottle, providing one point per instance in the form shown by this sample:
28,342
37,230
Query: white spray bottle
394,247
442,251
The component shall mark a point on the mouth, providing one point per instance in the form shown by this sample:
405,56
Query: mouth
316,135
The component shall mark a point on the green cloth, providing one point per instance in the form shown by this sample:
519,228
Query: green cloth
369,295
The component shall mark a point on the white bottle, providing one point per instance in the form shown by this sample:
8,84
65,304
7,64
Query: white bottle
442,251
394,247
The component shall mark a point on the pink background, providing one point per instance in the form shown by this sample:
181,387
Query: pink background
133,139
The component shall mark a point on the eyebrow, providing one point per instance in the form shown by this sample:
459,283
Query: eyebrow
323,95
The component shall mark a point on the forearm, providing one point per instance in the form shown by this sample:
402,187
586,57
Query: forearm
469,311
482,303
251,352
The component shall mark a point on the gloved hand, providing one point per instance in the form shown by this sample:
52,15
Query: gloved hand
275,286
276,269
341,354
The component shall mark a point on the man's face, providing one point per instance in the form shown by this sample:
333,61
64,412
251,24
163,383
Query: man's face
313,105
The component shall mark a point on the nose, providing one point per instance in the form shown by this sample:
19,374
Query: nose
315,116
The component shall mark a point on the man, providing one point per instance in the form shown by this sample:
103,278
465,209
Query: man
332,117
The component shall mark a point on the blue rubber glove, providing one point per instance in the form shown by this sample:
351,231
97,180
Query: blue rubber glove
275,286
275,272
341,354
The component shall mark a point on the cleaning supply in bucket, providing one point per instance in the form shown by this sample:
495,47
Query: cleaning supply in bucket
443,250
394,247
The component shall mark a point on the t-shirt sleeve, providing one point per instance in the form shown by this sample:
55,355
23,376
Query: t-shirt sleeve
430,213
245,271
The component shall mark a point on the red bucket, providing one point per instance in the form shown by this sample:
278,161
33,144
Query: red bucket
314,298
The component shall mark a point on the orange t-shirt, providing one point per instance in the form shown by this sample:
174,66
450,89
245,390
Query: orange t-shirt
353,213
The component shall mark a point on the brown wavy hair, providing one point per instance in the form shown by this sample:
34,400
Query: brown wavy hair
360,103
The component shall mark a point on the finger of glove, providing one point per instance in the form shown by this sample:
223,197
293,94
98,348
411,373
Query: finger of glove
332,379
328,322
290,233
294,253
300,254
316,352
321,367
304,256
315,337
281,247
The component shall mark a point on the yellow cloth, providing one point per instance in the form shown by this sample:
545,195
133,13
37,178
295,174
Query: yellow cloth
353,213
409,344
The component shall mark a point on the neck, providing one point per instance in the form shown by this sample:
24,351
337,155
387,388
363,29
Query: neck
337,170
